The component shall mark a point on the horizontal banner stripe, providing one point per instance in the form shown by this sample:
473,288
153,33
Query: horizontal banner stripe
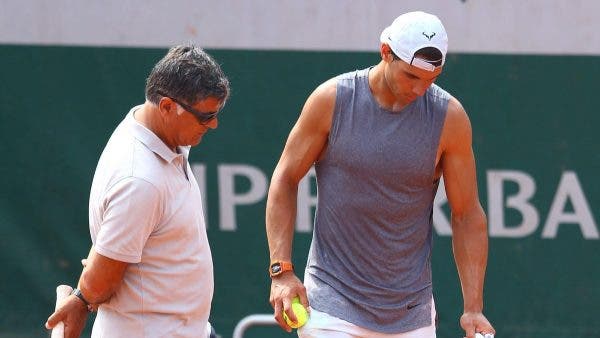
499,27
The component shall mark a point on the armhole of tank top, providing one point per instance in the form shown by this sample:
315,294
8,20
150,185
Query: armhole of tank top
445,99
337,107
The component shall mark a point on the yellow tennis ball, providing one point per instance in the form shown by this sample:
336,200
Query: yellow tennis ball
300,313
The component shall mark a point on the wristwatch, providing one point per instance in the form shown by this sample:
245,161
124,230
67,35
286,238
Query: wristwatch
79,295
278,267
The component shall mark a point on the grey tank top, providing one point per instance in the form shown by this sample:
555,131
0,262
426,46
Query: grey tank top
370,257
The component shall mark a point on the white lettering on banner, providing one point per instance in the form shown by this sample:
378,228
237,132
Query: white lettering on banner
228,199
306,202
570,189
519,201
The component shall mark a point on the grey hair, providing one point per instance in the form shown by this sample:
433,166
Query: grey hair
189,74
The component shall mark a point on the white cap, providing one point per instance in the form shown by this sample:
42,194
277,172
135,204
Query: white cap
413,31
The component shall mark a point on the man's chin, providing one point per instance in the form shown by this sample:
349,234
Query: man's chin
196,142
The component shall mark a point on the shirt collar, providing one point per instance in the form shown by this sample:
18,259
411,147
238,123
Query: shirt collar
151,141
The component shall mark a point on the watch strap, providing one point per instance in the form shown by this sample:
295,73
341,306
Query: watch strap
278,267
77,293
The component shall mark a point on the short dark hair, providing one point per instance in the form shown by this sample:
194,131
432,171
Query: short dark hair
189,74
430,54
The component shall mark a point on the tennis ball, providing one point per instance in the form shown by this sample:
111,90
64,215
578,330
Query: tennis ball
300,313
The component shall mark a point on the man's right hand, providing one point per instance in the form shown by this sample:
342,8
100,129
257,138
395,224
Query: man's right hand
73,313
283,289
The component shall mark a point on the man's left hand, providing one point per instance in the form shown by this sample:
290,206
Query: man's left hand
73,313
473,322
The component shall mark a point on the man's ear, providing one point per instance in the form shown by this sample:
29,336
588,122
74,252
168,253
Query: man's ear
167,107
386,52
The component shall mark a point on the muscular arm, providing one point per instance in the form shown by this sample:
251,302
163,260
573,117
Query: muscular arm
469,227
306,142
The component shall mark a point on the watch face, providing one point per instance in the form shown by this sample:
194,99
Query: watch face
275,268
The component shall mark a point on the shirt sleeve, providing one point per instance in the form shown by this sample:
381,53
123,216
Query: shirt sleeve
132,210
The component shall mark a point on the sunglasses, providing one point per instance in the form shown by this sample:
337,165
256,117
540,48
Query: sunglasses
202,117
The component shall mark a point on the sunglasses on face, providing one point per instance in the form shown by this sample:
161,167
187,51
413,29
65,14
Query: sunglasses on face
202,117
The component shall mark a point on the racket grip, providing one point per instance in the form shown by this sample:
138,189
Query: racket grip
62,292
487,335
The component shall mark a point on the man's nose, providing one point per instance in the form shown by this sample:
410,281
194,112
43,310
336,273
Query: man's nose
213,124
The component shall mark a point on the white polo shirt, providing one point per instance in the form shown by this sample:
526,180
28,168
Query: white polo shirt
146,209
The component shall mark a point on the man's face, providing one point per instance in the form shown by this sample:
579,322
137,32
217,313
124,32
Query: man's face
408,82
189,126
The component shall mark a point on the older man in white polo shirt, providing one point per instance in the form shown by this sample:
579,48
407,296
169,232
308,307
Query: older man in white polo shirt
150,269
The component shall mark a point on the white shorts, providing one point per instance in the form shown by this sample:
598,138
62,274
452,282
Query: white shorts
323,325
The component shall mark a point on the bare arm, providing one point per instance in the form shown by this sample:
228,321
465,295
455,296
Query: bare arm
469,226
306,142
132,208
99,280
101,277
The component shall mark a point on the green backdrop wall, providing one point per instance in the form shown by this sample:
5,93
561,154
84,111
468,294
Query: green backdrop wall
532,114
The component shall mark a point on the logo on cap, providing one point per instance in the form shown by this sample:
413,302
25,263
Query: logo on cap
429,36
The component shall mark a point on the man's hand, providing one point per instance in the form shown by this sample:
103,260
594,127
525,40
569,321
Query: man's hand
283,289
473,322
73,313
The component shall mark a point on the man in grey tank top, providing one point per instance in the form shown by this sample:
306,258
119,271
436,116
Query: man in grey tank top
380,140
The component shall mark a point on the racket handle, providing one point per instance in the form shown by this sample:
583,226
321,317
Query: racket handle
487,335
62,292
